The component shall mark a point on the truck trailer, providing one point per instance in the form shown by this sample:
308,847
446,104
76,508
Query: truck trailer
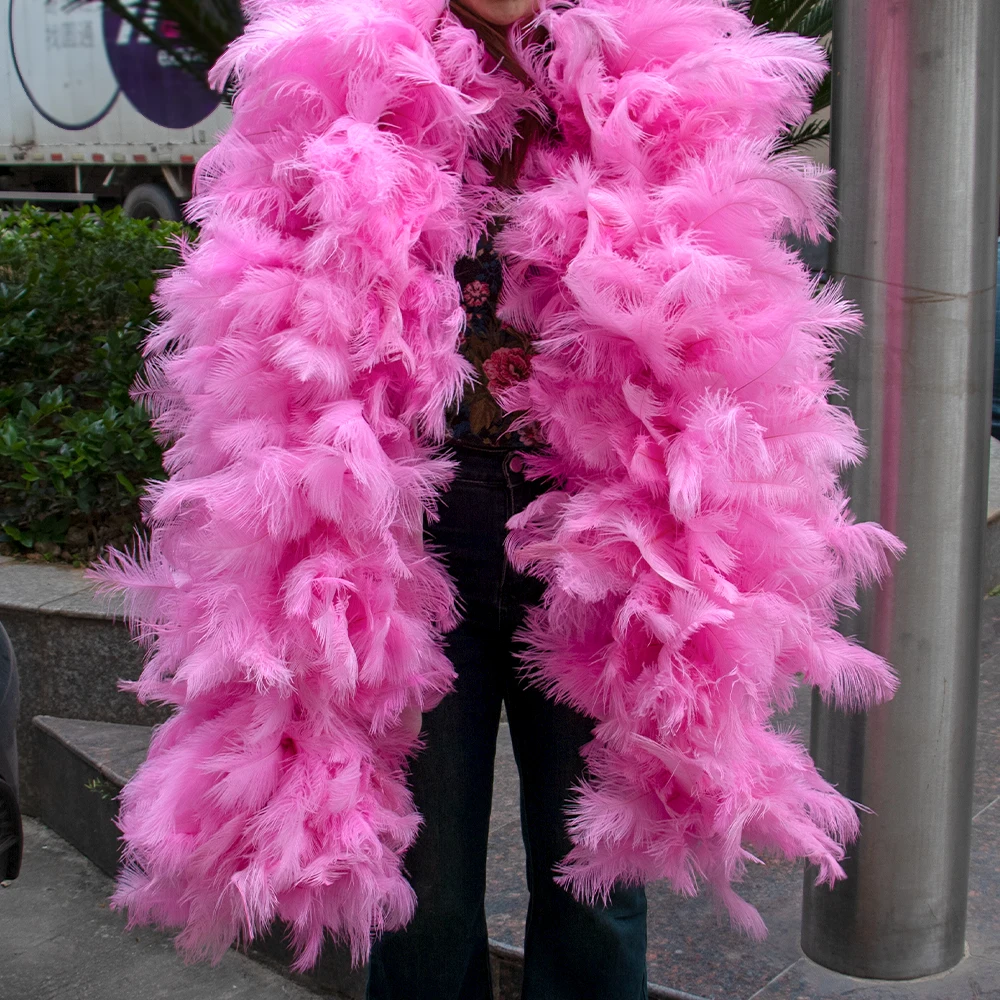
92,111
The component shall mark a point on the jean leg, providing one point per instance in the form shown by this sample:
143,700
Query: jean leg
443,954
572,951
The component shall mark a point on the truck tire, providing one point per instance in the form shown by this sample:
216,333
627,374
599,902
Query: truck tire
151,201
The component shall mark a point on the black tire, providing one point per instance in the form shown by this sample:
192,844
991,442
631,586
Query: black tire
152,201
11,834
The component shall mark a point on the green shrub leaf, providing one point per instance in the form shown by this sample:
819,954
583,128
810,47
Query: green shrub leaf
75,302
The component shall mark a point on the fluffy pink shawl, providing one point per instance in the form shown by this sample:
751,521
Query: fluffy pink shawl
696,548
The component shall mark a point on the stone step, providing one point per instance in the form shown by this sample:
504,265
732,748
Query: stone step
71,648
82,765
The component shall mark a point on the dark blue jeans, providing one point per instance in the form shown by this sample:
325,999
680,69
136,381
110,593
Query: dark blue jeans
572,951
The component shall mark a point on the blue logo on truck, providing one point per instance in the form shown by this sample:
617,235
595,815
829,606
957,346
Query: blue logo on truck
150,78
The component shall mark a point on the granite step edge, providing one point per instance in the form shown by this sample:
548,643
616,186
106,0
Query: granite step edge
54,589
115,763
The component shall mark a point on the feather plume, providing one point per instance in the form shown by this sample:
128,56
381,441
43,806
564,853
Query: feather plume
696,548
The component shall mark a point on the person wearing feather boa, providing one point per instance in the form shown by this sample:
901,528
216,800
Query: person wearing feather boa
680,449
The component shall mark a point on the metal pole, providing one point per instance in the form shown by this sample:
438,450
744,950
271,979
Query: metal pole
915,120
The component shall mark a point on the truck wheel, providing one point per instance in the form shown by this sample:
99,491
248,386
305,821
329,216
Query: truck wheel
151,201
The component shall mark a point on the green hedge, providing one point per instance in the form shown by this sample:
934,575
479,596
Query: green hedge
74,305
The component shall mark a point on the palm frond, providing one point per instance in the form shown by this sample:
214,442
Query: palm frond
821,99
194,32
813,18
811,130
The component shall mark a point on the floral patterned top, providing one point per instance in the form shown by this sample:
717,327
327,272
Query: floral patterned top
500,354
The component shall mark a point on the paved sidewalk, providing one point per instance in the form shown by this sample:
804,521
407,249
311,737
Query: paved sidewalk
59,941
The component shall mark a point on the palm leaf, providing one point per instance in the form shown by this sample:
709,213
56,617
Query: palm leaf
813,18
811,130
194,32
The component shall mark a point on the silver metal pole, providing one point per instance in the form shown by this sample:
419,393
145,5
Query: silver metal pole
915,119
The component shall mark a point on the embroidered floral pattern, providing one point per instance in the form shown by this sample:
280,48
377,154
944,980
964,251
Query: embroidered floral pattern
505,367
500,354
475,293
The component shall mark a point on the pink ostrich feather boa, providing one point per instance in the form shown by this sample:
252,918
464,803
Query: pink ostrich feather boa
696,544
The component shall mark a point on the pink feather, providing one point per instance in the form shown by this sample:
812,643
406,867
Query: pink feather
700,548
697,547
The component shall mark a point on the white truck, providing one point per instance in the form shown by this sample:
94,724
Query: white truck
91,111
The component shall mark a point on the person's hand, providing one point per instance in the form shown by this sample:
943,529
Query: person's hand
411,719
